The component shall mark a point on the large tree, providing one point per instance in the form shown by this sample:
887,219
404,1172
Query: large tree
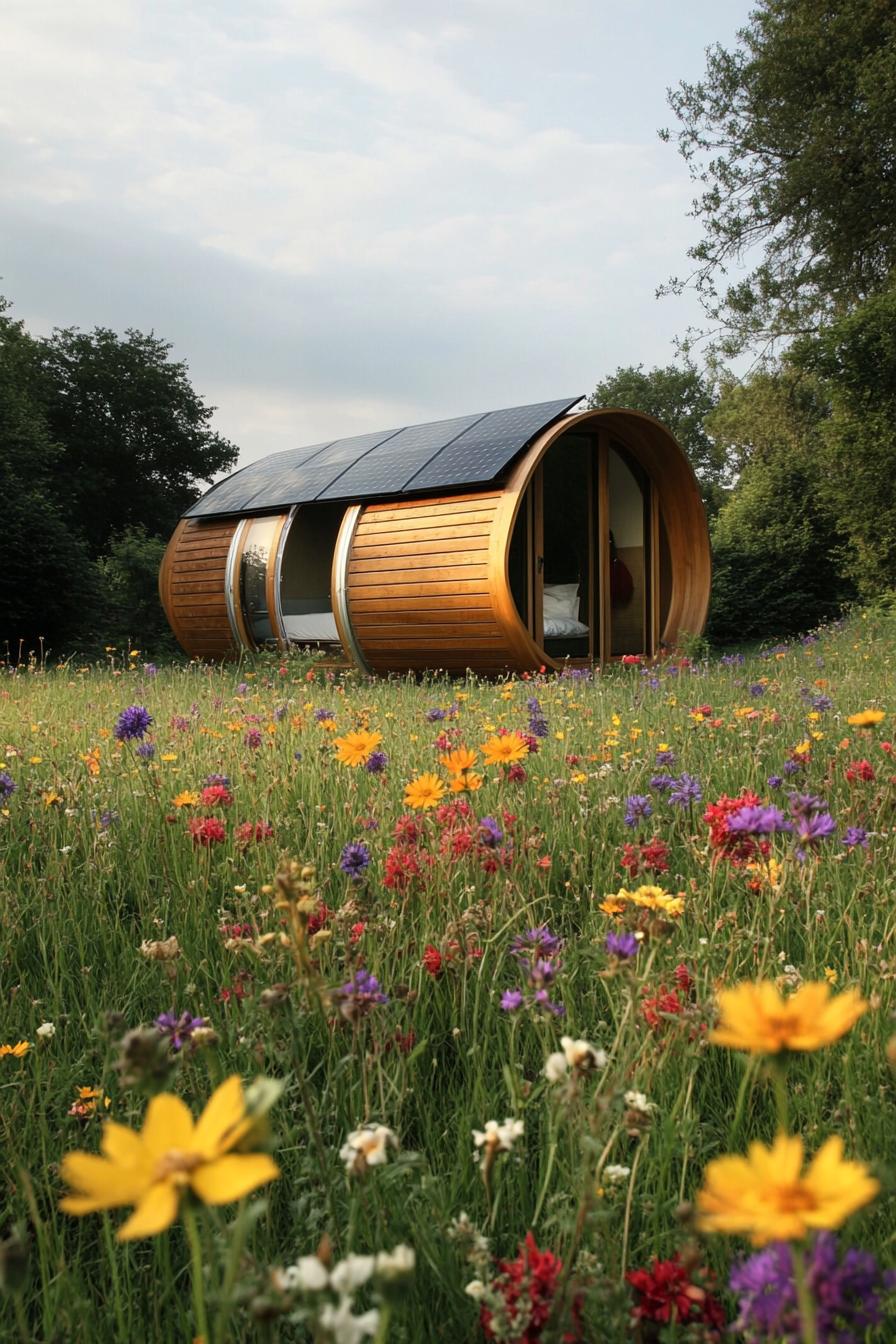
792,138
681,397
136,437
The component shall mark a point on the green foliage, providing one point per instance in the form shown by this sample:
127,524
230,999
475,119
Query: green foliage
136,436
855,357
47,581
776,547
129,575
791,137
681,397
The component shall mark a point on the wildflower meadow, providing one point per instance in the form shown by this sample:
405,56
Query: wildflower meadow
555,1008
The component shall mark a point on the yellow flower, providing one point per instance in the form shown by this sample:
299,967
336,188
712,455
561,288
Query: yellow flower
766,1196
188,798
755,1017
17,1051
467,782
459,760
613,905
168,756
654,898
504,750
354,748
424,791
154,1168
867,718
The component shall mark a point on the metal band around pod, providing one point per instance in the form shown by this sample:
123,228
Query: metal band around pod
340,582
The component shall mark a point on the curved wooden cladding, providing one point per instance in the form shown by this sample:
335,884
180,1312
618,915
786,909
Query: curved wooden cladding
192,587
420,589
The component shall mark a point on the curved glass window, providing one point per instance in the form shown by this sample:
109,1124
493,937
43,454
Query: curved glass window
258,541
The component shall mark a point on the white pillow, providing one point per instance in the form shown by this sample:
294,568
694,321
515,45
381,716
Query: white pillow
563,627
561,600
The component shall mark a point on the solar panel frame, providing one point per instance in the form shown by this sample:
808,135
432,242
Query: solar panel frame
384,464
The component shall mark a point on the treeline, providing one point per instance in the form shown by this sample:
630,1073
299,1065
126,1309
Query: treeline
103,444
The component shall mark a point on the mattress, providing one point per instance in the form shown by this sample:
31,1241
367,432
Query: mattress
312,627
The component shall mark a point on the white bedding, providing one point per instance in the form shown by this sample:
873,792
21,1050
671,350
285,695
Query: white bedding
563,627
312,627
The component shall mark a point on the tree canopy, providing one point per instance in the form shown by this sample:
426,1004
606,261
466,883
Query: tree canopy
792,138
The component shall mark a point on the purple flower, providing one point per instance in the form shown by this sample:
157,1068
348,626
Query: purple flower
792,767
538,724
855,837
7,786
150,670
217,781
846,1291
757,689
541,1000
490,833
323,715
665,758
535,943
511,1000
252,739
802,804
661,783
146,750
732,660
376,762
133,723
180,723
360,995
774,781
242,689
685,791
821,703
758,821
179,1029
297,755
107,819
813,827
354,859
436,715
637,808
622,944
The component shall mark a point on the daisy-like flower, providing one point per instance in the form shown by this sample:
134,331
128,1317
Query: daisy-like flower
17,1051
767,1196
424,792
171,1154
497,1138
504,750
755,1017
186,798
866,718
578,1056
460,760
355,748
367,1147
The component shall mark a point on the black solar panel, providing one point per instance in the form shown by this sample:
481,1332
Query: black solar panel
466,450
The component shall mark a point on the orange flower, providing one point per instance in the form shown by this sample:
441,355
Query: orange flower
423,792
504,750
458,761
354,748
755,1017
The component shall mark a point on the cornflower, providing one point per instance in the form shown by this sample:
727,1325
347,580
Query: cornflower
7,786
133,723
622,945
638,807
179,1028
685,791
354,860
359,995
855,837
758,820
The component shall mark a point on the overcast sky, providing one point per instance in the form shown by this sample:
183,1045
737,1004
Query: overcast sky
349,215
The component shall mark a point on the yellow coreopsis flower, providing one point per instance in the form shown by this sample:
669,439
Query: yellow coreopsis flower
187,798
458,761
172,1153
766,1196
866,718
423,792
354,748
17,1051
755,1017
504,750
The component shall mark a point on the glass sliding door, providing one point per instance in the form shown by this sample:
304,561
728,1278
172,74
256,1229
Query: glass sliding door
258,546
565,559
629,580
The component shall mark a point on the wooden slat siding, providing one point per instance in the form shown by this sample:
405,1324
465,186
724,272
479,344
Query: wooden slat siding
191,586
420,585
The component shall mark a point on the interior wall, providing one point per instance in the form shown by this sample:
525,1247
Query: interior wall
308,556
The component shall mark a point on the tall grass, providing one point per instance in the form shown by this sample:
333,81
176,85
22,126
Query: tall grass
97,862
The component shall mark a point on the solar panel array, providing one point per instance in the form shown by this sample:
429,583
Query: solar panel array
467,450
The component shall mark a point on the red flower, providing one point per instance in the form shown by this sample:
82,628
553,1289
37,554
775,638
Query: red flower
318,919
516,774
652,857
683,978
666,1293
252,832
664,1003
737,849
860,770
527,1285
215,795
206,831
631,660
356,932
432,961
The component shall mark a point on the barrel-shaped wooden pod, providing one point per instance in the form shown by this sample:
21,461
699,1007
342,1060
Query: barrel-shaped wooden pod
426,583
193,586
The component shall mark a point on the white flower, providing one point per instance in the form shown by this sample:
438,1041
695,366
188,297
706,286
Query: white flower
636,1101
351,1273
615,1175
475,1289
367,1147
309,1274
580,1056
497,1138
46,1029
397,1263
345,1328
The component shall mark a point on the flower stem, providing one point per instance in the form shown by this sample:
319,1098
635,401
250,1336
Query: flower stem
779,1080
116,1284
805,1301
238,1241
382,1332
192,1230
